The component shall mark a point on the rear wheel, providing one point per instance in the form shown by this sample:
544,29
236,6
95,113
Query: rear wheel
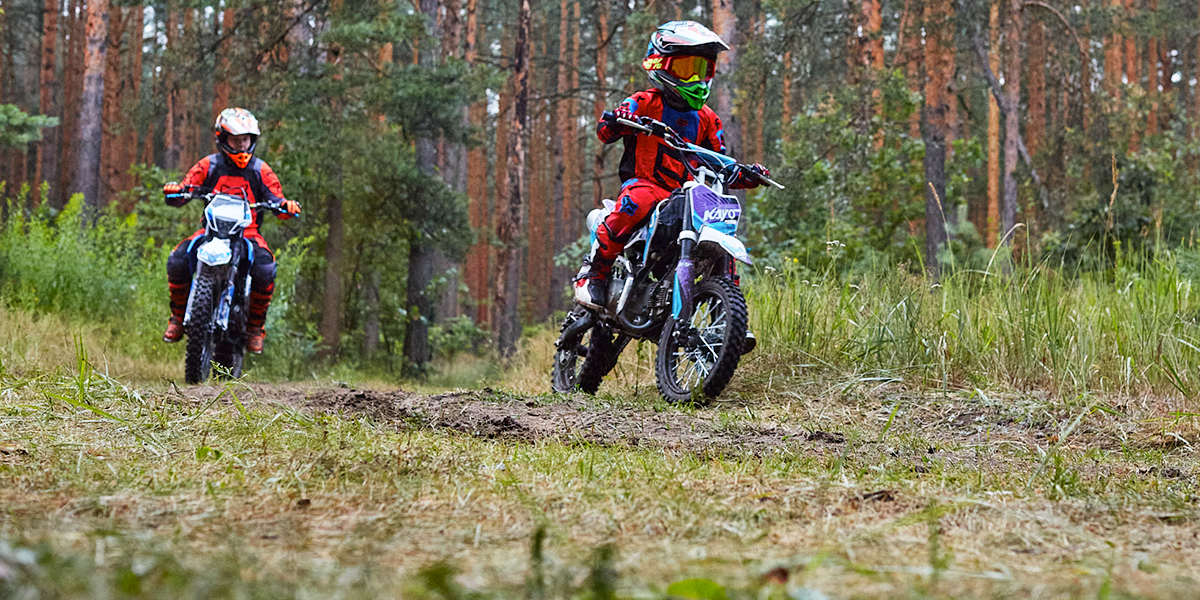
198,359
697,359
582,363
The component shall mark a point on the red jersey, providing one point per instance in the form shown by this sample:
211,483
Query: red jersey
257,182
649,158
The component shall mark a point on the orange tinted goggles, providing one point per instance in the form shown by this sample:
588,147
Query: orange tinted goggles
690,68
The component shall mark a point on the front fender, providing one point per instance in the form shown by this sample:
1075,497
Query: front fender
215,252
728,243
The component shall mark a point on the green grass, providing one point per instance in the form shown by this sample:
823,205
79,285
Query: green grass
990,436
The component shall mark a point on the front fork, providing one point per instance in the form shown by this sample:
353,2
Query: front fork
685,280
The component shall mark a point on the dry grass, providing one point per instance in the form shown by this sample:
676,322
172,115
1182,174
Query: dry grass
962,494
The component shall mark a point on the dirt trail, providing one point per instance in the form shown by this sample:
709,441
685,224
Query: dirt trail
493,415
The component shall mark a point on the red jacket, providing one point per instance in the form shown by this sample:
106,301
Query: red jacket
257,181
649,158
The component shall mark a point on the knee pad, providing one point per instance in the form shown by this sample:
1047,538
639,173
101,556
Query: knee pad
179,267
262,275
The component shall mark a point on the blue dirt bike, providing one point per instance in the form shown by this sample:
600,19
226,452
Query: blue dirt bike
671,285
215,320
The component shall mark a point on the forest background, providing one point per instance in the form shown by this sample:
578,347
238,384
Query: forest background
445,157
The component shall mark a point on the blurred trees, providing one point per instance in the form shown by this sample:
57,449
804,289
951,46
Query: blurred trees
434,186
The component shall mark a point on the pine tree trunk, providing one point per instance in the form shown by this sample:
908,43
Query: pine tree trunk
72,93
221,84
133,88
993,141
477,193
332,294
174,120
510,224
186,108
600,99
47,149
1112,56
110,161
939,67
331,308
1012,132
372,327
1152,78
1035,127
725,25
87,180
421,256
913,60
564,176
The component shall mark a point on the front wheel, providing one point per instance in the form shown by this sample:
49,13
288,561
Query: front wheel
697,359
198,359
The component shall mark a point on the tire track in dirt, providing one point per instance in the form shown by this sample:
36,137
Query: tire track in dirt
491,415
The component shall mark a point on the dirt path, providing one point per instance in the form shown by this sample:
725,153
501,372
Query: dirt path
493,415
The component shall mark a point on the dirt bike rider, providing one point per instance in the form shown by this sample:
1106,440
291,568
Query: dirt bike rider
680,61
234,170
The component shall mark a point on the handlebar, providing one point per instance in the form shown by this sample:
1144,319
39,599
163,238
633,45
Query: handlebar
192,192
654,127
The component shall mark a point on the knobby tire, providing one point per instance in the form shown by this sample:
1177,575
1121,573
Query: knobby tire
724,295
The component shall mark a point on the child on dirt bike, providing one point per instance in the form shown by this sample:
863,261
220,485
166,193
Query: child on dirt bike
680,61
233,170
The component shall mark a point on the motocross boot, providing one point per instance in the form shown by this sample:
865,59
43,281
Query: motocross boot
174,331
591,285
254,340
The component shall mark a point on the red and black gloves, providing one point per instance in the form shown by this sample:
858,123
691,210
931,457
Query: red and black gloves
174,194
623,112
746,176
290,209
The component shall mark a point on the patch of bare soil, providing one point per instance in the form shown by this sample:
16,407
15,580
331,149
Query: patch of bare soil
490,415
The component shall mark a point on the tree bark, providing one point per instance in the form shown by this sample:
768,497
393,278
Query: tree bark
87,180
174,122
332,295
1012,128
1112,56
1035,127
331,308
913,60
600,98
133,87
725,25
421,256
371,323
939,68
1152,78
564,167
477,193
993,141
47,149
221,84
111,171
510,218
73,62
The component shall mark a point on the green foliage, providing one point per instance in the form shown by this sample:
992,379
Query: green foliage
1133,328
840,186
109,272
18,128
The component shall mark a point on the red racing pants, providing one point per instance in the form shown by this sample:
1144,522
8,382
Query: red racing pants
636,201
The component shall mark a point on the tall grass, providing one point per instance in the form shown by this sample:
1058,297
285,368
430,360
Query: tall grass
1134,328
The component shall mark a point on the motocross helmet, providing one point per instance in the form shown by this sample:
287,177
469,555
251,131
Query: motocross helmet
681,60
236,121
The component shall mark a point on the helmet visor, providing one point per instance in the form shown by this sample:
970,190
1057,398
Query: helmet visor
691,68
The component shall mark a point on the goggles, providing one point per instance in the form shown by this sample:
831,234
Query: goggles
684,68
